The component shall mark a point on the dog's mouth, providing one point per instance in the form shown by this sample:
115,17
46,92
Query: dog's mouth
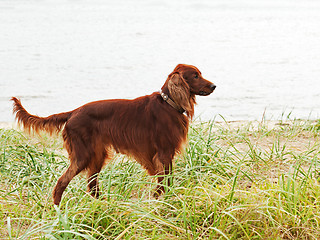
211,88
203,93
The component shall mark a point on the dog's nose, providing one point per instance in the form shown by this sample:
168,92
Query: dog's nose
213,87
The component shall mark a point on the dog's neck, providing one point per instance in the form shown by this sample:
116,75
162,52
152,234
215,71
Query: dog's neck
168,100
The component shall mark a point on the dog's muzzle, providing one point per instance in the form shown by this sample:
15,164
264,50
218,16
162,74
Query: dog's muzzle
212,87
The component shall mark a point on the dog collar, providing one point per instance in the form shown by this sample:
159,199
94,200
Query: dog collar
166,98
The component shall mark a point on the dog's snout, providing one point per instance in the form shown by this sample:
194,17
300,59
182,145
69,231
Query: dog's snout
213,87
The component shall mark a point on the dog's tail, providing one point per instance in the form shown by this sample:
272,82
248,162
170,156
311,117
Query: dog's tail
51,124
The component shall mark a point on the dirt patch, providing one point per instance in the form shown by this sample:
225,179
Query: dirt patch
8,125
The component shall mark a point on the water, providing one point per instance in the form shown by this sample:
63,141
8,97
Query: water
264,56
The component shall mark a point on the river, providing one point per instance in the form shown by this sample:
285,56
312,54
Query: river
264,56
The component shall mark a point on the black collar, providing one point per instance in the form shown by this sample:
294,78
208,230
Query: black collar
167,99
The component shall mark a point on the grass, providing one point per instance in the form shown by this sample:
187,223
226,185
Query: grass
244,180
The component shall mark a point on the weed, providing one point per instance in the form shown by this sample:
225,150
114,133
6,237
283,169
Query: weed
241,180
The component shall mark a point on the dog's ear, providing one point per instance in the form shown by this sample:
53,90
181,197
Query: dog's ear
180,92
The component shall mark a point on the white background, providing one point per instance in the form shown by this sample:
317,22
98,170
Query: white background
264,56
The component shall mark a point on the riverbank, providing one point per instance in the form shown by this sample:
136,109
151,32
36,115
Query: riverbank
235,180
8,125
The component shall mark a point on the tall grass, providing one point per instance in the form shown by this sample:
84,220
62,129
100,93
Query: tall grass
234,181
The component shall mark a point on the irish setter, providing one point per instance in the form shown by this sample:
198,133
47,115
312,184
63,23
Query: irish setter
151,129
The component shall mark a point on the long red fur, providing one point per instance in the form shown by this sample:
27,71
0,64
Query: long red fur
146,128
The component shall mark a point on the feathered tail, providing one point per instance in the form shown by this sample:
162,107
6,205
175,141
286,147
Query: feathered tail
51,124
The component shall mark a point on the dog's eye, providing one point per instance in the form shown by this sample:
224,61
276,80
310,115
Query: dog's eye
196,76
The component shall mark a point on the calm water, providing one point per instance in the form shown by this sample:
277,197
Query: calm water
262,55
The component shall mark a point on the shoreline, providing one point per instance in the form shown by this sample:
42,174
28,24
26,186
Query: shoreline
8,125
229,124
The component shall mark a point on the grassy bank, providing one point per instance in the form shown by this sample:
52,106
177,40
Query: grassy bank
234,181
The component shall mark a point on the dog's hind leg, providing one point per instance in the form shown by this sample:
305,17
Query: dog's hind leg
94,168
79,159
64,180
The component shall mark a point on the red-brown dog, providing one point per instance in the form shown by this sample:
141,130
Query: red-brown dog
151,128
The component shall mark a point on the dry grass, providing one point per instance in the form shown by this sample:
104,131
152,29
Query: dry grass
239,180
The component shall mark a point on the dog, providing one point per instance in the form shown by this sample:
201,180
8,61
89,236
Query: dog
151,129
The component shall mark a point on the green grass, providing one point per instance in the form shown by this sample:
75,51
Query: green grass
234,181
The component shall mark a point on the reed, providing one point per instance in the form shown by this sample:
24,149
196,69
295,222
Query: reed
242,180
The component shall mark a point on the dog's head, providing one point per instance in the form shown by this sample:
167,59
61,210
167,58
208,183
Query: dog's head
184,83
